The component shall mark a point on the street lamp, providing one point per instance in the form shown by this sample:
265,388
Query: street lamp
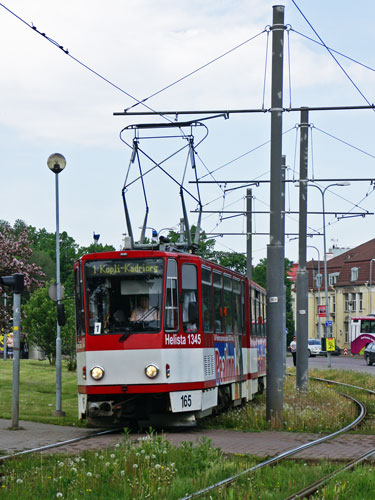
56,163
322,192
318,284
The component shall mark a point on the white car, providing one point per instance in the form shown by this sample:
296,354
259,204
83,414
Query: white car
314,347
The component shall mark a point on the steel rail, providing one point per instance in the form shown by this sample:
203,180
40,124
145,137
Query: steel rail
285,454
312,488
343,384
58,444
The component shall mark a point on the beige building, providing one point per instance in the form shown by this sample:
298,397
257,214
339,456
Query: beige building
351,280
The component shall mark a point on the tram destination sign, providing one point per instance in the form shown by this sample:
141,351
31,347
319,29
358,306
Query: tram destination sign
105,268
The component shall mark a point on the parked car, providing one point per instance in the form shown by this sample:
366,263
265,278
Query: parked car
314,347
369,354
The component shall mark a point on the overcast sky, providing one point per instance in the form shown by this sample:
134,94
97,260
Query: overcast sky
51,103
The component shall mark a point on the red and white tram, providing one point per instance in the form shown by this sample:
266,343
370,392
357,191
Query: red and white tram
362,333
165,337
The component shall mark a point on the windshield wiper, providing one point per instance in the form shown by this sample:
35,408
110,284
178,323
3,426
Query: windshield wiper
128,331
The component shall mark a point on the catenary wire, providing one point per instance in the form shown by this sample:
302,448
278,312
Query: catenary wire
243,155
196,70
91,70
333,50
332,55
265,71
289,70
342,141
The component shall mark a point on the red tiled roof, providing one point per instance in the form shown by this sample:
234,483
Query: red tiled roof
359,257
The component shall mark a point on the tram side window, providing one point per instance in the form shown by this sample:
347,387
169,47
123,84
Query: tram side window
228,315
368,326
243,322
218,302
80,315
264,315
251,309
207,309
237,310
189,299
171,298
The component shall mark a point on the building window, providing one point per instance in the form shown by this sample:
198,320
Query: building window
346,302
318,280
354,302
346,326
354,273
350,302
333,308
360,301
332,278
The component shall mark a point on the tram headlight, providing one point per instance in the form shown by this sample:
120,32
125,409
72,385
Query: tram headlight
151,371
97,372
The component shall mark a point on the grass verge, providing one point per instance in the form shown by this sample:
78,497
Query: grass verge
37,392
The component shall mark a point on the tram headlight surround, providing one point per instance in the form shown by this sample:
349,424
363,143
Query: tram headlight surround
97,372
151,371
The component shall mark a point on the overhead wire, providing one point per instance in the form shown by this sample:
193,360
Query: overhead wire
197,70
333,50
332,55
265,71
343,141
289,70
242,155
91,70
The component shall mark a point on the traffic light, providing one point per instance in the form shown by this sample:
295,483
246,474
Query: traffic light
61,317
16,281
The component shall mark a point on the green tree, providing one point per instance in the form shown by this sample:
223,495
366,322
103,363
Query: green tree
260,276
233,260
95,248
205,245
45,242
16,257
39,324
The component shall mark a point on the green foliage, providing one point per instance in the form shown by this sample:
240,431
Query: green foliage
40,324
94,248
233,260
260,273
260,276
38,392
16,257
205,246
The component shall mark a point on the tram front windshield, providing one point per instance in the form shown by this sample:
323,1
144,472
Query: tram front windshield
124,295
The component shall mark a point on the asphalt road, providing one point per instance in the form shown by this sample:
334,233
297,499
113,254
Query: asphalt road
355,363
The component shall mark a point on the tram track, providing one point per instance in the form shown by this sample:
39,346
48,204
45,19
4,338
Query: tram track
58,444
272,461
293,451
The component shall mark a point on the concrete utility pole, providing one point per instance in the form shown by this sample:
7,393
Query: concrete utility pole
302,276
275,250
249,242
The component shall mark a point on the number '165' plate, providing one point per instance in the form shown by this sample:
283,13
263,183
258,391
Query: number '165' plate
186,401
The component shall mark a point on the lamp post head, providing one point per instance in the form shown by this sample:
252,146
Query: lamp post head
56,163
